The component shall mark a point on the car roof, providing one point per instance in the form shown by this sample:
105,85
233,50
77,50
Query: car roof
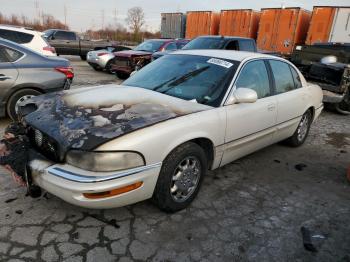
223,54
224,37
19,29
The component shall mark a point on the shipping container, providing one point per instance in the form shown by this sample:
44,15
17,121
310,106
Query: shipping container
329,24
173,25
202,23
239,22
280,29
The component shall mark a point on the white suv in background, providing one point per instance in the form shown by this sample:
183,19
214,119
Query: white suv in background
28,38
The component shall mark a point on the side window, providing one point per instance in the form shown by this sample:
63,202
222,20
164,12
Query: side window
171,46
232,45
61,35
12,55
246,45
296,77
24,38
3,57
9,35
254,76
283,76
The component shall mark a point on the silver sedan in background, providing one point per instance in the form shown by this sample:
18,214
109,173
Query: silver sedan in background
102,59
25,73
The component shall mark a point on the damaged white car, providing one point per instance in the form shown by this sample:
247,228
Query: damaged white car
156,135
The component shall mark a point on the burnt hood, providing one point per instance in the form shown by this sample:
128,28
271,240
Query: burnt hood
86,118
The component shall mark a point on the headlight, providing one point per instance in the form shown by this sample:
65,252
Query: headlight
104,161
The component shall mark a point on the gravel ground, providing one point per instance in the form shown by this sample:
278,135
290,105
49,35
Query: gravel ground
250,210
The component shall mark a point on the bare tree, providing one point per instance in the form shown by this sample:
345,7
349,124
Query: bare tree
135,20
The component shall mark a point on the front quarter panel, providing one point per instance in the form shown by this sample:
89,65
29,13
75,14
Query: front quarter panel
157,141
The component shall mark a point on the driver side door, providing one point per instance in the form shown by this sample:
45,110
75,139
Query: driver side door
250,126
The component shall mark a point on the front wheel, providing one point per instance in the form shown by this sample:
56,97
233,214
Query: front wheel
108,67
180,177
122,75
300,135
344,106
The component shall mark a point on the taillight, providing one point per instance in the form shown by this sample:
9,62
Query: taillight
101,54
50,49
68,71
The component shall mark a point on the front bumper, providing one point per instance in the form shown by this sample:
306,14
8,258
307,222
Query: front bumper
70,183
97,62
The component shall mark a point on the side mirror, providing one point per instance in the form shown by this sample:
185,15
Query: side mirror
242,95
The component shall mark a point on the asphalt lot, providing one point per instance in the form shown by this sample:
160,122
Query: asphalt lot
250,210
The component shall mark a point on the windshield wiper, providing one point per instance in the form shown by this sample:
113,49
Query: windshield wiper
184,78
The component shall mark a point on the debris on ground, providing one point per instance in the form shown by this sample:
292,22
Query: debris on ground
300,167
307,240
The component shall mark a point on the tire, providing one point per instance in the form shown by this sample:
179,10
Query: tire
83,57
15,97
96,68
302,131
122,75
189,163
108,67
344,106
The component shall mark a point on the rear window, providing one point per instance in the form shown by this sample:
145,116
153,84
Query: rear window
283,77
17,37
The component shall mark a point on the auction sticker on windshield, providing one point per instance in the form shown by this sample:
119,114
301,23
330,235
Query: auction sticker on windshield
220,62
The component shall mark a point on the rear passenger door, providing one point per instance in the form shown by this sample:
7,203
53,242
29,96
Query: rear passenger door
291,98
65,43
8,73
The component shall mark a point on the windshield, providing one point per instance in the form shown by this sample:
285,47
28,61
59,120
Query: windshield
198,78
149,46
205,43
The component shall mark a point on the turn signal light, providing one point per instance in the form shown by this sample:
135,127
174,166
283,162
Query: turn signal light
113,192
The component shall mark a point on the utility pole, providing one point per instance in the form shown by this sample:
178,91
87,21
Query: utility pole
103,18
65,14
115,24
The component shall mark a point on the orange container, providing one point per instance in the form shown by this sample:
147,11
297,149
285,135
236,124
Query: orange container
239,22
321,24
280,29
202,23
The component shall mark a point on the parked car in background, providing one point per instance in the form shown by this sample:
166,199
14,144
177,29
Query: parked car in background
27,37
328,65
222,42
25,73
178,45
69,43
125,62
102,59
158,134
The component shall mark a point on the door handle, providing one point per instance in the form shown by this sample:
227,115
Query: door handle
271,107
3,77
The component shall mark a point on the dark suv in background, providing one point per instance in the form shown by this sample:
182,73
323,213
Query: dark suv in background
125,62
25,73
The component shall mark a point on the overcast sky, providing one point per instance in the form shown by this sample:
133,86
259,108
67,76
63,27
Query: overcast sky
85,14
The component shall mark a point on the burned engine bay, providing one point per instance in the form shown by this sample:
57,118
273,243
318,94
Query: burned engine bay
86,118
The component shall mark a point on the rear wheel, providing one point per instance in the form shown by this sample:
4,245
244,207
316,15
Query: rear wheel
180,177
17,99
96,68
122,75
344,106
300,135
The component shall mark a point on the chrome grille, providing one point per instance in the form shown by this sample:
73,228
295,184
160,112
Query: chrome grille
44,144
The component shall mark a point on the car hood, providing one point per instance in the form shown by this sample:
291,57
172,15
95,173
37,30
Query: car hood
86,118
130,53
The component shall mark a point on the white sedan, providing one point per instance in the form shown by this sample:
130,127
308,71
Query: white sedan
157,134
